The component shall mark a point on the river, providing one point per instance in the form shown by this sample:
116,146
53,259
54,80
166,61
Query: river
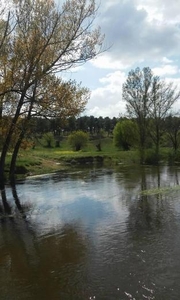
92,234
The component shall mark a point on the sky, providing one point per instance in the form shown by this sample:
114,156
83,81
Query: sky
138,33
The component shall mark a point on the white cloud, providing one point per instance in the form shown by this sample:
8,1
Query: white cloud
108,111
166,70
166,60
105,61
107,99
162,10
137,33
133,37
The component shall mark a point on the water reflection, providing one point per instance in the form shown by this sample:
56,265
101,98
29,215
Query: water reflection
93,233
144,213
49,269
19,206
6,209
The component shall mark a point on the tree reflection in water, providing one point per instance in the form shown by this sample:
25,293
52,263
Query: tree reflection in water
80,237
149,211
6,208
39,268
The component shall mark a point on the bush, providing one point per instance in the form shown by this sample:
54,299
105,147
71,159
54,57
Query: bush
125,134
151,157
174,157
78,140
48,140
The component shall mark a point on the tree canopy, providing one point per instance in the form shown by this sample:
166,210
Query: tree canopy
38,39
125,134
149,101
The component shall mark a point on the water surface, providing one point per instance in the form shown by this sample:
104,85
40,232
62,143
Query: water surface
92,234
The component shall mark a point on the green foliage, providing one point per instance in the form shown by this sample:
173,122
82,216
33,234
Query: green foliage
160,191
174,157
78,140
125,134
39,39
48,140
149,100
172,126
151,157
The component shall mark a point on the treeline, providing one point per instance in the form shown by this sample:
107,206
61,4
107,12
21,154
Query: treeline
58,127
126,137
123,130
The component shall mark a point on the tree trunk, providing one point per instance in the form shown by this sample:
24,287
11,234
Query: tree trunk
142,147
7,207
157,153
8,141
3,156
2,177
21,136
13,162
14,156
17,201
157,143
142,155
2,163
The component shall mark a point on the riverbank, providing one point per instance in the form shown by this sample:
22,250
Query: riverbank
42,160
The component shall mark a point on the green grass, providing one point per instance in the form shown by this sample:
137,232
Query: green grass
160,191
64,152
44,160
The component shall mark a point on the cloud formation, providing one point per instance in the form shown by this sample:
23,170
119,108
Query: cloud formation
137,33
106,100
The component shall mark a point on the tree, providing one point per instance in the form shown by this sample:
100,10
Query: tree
78,139
136,91
71,124
46,39
172,125
53,98
82,123
125,134
5,30
107,125
91,124
163,96
148,101
48,139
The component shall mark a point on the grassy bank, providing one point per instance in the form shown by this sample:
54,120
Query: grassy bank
43,160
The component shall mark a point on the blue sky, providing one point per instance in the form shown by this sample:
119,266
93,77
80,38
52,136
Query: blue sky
142,33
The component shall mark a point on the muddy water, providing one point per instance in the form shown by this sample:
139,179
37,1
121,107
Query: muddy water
92,234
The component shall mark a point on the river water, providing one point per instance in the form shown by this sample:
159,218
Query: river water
92,234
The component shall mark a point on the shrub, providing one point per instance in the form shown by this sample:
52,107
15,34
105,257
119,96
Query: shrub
151,157
78,140
48,140
125,134
173,157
